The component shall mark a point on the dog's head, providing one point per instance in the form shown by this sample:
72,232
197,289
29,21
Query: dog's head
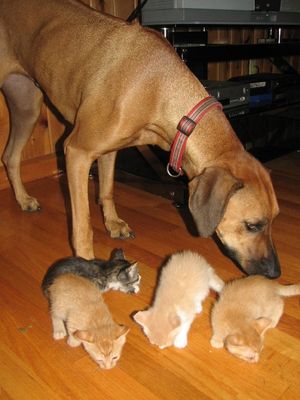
239,206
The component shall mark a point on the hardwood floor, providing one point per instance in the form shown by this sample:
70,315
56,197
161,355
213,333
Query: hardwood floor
34,366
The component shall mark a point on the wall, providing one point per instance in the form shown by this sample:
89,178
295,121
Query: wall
226,70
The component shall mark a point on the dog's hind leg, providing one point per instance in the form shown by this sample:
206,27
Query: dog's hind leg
24,101
106,169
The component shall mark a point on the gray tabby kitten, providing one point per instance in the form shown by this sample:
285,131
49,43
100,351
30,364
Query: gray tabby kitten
114,274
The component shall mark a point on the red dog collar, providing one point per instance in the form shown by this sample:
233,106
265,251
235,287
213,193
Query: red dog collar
185,128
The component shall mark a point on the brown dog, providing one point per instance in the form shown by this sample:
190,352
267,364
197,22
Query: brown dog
121,85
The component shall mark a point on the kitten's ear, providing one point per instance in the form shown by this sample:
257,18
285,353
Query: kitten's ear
122,330
132,267
117,254
261,325
234,340
141,317
85,336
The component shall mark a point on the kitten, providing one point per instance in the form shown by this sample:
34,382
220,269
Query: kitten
184,283
78,310
114,274
246,308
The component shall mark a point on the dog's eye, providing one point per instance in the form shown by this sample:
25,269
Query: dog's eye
254,227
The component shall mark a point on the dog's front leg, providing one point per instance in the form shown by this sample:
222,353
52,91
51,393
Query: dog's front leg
78,164
115,226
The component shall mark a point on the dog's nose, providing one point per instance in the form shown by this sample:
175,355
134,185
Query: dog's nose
273,266
274,274
268,267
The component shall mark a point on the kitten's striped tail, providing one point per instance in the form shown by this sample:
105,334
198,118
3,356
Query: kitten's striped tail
215,282
288,290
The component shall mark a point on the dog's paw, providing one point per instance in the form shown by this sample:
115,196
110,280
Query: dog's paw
29,204
118,229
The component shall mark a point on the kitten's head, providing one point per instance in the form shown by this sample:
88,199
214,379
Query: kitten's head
161,330
104,347
248,344
121,274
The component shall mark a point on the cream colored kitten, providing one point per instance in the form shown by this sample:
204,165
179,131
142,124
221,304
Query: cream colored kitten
78,310
246,308
184,283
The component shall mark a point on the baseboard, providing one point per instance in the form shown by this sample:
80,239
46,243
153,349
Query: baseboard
33,169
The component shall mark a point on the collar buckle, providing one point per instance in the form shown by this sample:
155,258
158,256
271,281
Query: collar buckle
184,129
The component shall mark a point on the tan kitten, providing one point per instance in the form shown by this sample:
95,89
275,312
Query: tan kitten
184,283
78,310
246,308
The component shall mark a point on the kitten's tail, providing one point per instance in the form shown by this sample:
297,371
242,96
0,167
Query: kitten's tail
288,290
215,282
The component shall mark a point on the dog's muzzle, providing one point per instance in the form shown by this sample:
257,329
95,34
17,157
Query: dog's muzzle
266,266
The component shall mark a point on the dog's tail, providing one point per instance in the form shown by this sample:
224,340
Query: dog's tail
215,282
288,290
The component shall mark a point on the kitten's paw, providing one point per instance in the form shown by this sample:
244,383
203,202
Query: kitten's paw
217,344
73,342
180,342
198,308
58,335
136,288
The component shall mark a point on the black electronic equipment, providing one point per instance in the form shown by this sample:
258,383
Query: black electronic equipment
229,94
271,89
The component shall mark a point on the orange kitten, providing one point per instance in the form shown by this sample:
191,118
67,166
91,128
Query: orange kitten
78,310
246,308
184,283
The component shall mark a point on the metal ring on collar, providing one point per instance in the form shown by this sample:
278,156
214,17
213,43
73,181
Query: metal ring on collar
173,175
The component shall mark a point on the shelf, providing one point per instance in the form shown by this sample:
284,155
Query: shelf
224,52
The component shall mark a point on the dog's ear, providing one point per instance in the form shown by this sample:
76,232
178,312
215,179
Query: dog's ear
209,195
